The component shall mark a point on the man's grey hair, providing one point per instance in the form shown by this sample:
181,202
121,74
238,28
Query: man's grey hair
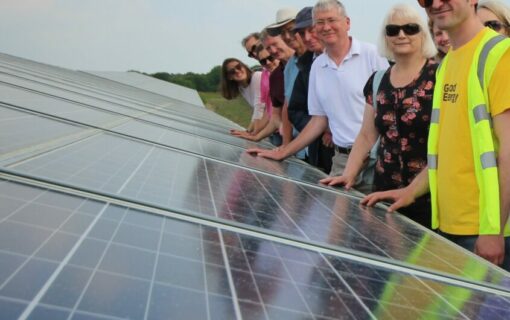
324,5
263,35
255,35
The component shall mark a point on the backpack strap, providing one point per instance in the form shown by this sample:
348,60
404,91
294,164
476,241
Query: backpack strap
375,86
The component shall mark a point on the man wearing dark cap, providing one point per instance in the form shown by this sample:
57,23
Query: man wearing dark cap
319,154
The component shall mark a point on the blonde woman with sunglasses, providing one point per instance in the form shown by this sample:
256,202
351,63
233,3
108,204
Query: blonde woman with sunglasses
400,117
468,172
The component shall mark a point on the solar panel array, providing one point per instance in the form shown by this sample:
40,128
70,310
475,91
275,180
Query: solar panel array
118,202
153,85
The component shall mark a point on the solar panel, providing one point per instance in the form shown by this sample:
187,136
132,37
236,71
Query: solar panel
105,214
154,85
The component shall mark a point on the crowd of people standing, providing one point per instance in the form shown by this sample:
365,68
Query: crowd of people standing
421,120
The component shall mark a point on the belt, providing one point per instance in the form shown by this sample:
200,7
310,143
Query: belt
343,150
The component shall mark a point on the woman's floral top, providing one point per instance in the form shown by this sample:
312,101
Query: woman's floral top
402,119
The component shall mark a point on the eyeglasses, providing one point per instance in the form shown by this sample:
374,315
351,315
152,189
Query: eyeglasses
251,53
232,71
329,21
266,60
495,25
409,29
302,32
425,3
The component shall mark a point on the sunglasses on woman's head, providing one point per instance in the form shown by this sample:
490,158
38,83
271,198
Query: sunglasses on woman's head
494,25
409,29
232,71
265,60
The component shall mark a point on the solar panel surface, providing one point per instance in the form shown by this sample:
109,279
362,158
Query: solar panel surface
118,203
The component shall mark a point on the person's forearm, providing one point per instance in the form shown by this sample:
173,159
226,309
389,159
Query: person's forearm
363,143
420,185
250,127
314,128
269,129
504,183
502,131
260,124
504,188
273,124
362,146
286,125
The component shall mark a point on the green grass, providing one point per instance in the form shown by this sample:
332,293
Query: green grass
236,110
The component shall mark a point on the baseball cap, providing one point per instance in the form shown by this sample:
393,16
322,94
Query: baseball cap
304,18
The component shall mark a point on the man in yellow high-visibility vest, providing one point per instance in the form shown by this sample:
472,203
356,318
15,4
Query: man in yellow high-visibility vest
469,142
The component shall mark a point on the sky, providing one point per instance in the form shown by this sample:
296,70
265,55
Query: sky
174,36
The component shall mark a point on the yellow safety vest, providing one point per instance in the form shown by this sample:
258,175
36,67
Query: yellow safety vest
485,59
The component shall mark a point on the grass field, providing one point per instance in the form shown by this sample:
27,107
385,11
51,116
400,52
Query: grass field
236,110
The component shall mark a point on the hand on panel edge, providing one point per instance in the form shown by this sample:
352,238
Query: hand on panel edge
243,134
400,197
275,154
347,182
491,248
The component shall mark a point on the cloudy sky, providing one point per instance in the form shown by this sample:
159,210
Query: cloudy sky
175,36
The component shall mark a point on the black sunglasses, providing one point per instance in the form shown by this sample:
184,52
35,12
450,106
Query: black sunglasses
265,60
409,29
425,3
495,25
232,71
251,53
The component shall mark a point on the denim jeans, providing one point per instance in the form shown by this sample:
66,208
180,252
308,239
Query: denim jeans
468,242
301,154
275,139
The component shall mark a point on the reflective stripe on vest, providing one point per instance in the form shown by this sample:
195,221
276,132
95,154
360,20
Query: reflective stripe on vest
485,60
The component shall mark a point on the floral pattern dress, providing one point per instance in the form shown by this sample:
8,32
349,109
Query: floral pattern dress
402,120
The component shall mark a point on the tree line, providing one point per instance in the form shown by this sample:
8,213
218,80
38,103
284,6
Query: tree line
204,82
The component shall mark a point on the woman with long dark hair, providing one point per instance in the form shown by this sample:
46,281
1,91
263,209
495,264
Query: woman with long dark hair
237,78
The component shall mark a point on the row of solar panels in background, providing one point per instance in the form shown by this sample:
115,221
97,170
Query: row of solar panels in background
118,202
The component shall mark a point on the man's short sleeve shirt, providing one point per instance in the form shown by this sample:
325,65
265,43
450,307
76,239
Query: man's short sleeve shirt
336,91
